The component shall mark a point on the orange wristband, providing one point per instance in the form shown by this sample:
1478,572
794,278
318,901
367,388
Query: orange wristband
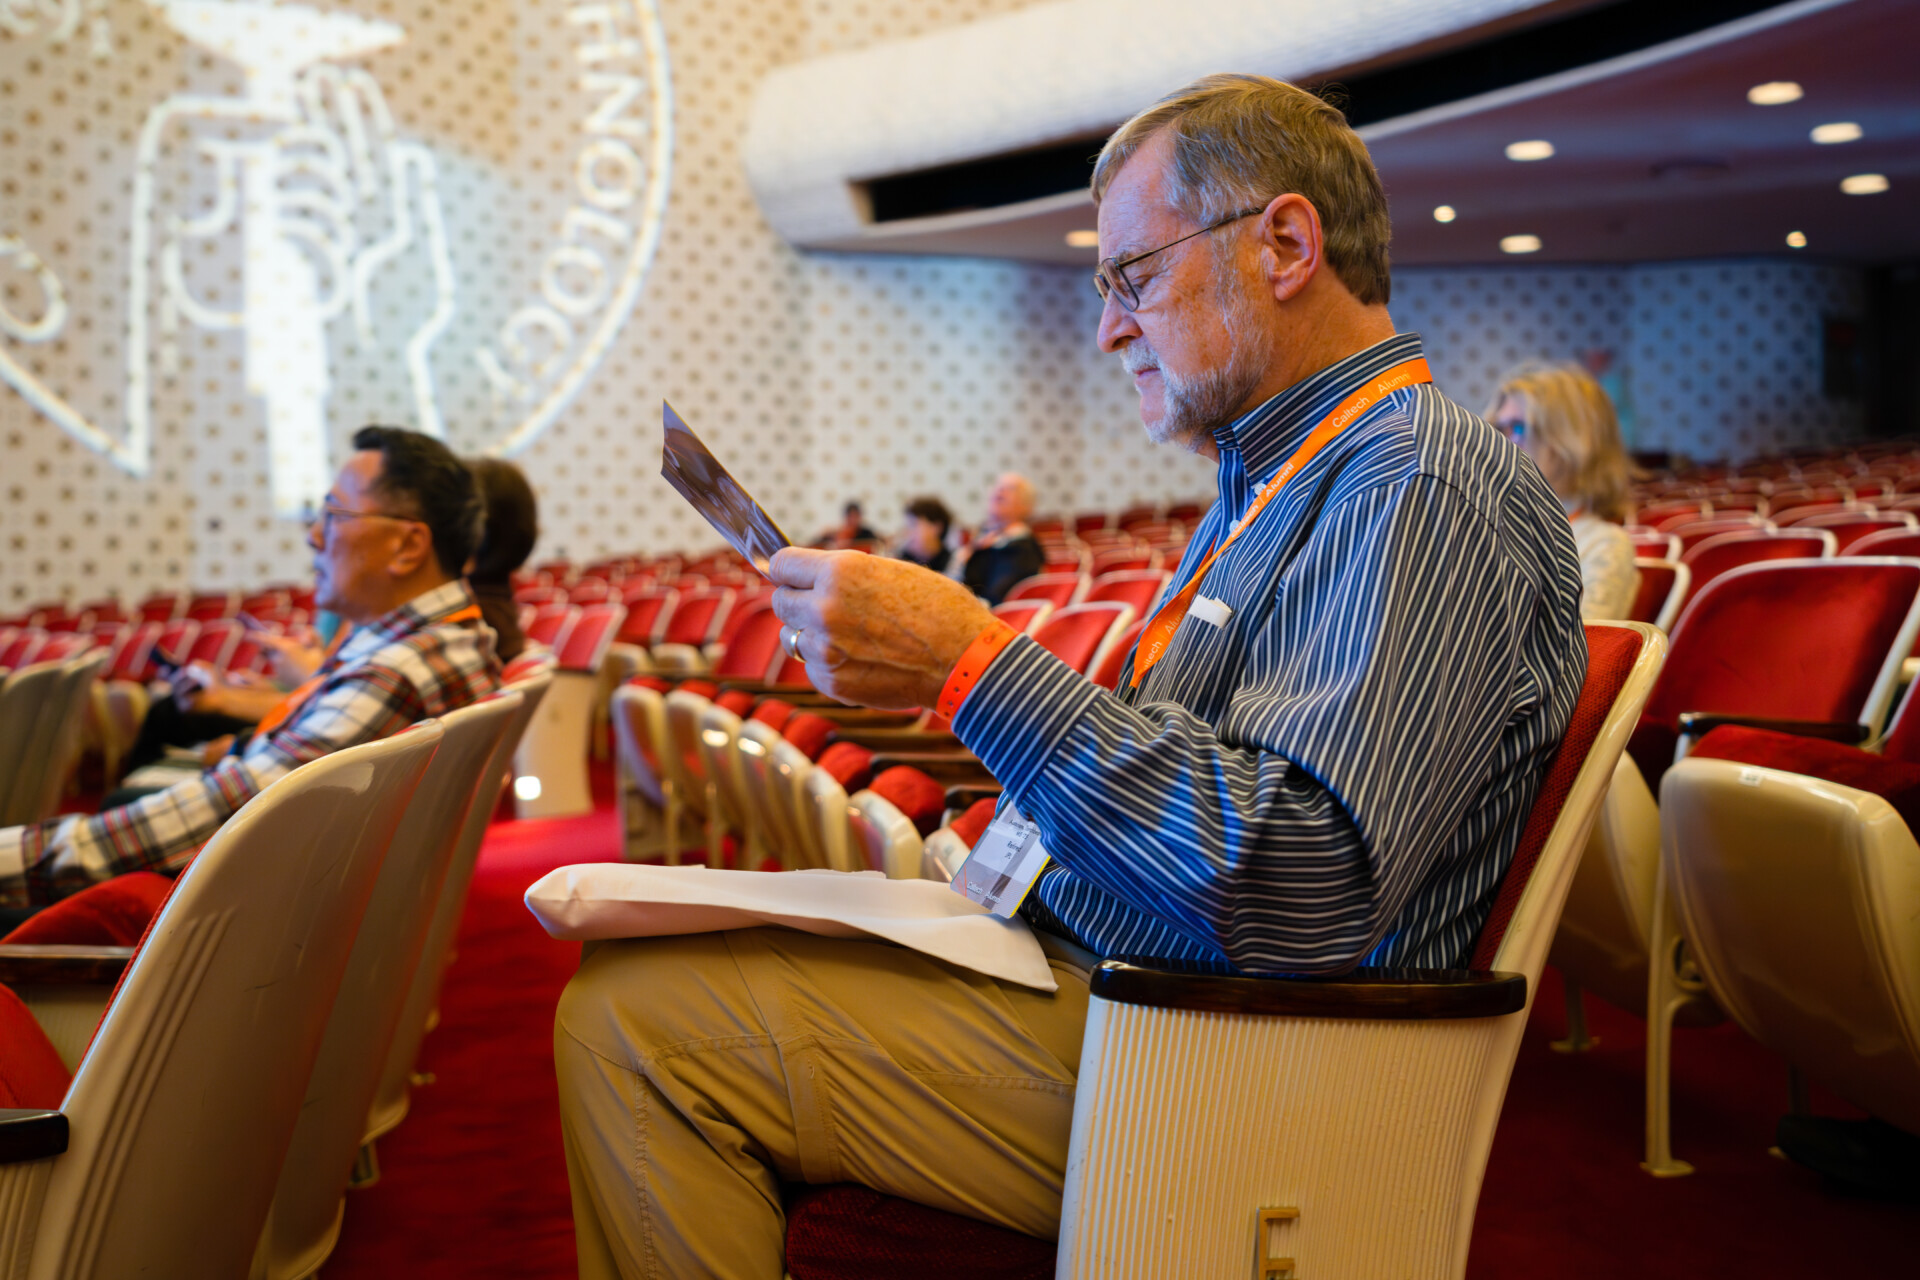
972,665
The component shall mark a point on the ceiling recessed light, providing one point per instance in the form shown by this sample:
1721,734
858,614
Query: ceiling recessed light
1796,239
1864,184
1532,149
1520,244
1083,239
1838,131
1775,93
1444,213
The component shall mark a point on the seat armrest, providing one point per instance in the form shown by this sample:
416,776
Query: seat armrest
1696,724
965,795
864,719
882,738
31,1134
949,768
797,694
62,966
1370,994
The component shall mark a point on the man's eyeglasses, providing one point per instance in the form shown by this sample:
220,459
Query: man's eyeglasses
331,511
1110,277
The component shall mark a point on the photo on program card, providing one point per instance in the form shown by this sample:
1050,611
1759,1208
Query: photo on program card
691,468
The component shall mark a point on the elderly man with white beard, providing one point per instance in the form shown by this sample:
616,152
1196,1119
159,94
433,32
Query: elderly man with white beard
1320,755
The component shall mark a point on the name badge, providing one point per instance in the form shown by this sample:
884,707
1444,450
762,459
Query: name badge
1212,612
1004,865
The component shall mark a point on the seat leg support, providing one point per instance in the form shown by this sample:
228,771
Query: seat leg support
366,1167
1578,1040
1665,996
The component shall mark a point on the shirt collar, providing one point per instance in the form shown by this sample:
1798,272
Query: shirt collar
1267,436
417,614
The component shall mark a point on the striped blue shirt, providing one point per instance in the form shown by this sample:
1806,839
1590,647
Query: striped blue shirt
1338,774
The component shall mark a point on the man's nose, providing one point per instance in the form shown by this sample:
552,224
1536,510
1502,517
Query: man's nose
1117,324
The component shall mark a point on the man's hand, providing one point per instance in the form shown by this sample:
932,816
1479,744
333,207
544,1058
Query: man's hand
873,631
293,662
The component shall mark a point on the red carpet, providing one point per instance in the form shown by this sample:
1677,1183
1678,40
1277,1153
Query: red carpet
474,1184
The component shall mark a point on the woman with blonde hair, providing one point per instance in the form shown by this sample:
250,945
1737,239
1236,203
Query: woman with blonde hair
1561,419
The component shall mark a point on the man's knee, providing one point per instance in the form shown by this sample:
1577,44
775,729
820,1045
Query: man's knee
636,996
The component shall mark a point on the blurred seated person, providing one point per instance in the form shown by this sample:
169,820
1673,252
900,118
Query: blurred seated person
512,527
852,531
1003,550
210,710
1560,417
401,522
923,539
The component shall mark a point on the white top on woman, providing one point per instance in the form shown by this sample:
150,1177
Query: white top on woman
1608,580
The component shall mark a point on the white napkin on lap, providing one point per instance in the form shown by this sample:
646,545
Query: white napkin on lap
625,900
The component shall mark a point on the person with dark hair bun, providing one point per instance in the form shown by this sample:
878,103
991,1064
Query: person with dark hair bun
923,540
512,527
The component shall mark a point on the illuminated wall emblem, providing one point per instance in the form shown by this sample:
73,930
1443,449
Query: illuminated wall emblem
293,215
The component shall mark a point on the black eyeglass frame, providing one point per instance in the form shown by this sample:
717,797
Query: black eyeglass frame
1111,275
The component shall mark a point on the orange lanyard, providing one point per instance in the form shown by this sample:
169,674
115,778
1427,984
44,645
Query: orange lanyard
1159,632
282,711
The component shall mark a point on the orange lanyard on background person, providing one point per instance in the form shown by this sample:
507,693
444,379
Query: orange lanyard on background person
1159,632
282,711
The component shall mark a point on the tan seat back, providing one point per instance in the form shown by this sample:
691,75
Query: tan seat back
57,735
22,696
305,1218
183,1107
390,1097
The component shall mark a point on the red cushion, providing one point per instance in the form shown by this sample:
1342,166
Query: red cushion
913,793
654,683
705,688
1611,653
738,701
1895,781
850,765
773,713
113,913
31,1073
972,824
847,1232
808,732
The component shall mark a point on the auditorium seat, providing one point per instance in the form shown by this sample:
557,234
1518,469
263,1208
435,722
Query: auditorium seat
1081,634
1124,559
1849,527
1708,558
1794,876
695,622
1345,1123
1057,589
1136,587
1787,515
1663,586
1023,615
308,1203
1659,515
1887,542
648,610
207,1045
43,715
550,622
550,768
1106,671
1693,533
1797,639
1651,542
211,606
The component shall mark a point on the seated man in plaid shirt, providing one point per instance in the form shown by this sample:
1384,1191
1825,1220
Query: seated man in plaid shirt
389,547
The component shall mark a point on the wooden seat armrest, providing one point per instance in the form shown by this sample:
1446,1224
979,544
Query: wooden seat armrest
1373,994
949,768
29,1133
799,695
967,794
62,966
863,719
1696,724
881,738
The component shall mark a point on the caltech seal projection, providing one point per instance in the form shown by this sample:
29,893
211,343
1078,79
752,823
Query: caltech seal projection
434,213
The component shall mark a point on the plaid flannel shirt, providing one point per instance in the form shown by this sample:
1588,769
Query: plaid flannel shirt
408,666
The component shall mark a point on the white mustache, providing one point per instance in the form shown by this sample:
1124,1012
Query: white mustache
1136,356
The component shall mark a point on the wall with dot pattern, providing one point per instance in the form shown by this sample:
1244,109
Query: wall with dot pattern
818,378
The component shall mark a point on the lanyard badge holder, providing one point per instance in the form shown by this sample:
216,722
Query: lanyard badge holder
1003,865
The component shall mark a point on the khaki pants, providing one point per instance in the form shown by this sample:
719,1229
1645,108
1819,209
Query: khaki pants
699,1073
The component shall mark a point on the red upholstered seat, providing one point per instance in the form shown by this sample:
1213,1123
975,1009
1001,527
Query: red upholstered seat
1076,634
1895,781
913,793
773,713
972,824
738,701
1656,584
850,764
31,1073
1711,557
1106,672
808,732
754,642
113,913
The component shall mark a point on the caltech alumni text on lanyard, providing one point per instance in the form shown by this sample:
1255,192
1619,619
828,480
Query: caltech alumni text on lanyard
1159,632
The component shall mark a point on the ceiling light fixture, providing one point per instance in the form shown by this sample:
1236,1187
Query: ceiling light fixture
1444,213
1532,149
1520,244
1839,131
1796,239
1775,93
1864,184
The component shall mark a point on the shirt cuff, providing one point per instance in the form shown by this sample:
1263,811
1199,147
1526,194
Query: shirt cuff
1020,709
972,665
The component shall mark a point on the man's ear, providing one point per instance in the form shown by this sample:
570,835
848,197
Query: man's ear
1291,244
414,552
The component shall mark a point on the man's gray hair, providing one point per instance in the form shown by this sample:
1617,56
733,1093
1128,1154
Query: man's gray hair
1241,140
